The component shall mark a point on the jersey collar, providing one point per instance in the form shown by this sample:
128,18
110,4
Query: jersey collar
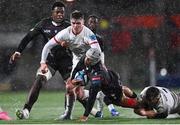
55,24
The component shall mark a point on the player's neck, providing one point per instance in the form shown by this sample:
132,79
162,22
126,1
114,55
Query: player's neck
76,32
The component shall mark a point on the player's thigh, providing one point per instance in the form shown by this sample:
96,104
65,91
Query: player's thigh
65,71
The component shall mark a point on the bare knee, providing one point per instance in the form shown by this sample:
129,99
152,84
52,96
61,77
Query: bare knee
79,91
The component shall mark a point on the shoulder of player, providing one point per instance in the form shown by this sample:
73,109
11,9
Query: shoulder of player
49,20
87,30
44,21
39,25
145,89
65,32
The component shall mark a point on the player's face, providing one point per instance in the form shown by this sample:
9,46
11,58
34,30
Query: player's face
92,23
58,14
77,25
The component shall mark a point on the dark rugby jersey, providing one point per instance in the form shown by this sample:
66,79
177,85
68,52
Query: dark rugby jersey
100,41
88,69
47,29
110,78
109,82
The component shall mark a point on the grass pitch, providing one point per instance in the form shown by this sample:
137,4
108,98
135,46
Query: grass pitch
51,104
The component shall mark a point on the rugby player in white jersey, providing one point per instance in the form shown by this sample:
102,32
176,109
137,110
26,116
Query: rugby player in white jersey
78,38
158,102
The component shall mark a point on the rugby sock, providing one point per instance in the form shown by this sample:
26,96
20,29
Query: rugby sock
65,102
84,102
110,107
70,100
130,102
34,92
99,99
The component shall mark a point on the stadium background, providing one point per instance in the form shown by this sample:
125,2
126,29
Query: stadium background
142,40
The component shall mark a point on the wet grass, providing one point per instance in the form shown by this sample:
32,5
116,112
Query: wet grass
51,104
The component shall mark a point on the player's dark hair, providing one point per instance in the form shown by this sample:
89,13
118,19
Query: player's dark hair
93,16
77,15
57,4
152,93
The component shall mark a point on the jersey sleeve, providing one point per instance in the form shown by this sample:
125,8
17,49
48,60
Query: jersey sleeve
101,42
162,106
162,111
29,36
46,50
92,41
62,36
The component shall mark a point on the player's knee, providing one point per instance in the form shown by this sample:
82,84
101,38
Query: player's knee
41,79
47,75
79,92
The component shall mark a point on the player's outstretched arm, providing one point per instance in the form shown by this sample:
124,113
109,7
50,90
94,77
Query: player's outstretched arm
144,112
45,52
24,42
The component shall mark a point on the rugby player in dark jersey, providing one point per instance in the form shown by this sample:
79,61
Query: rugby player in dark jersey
92,23
103,80
58,60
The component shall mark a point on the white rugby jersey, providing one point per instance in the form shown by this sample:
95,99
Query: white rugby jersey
78,44
169,101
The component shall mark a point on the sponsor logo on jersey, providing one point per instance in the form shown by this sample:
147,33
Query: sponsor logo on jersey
47,31
92,37
96,78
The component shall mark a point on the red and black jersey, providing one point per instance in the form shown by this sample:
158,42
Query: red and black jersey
100,79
